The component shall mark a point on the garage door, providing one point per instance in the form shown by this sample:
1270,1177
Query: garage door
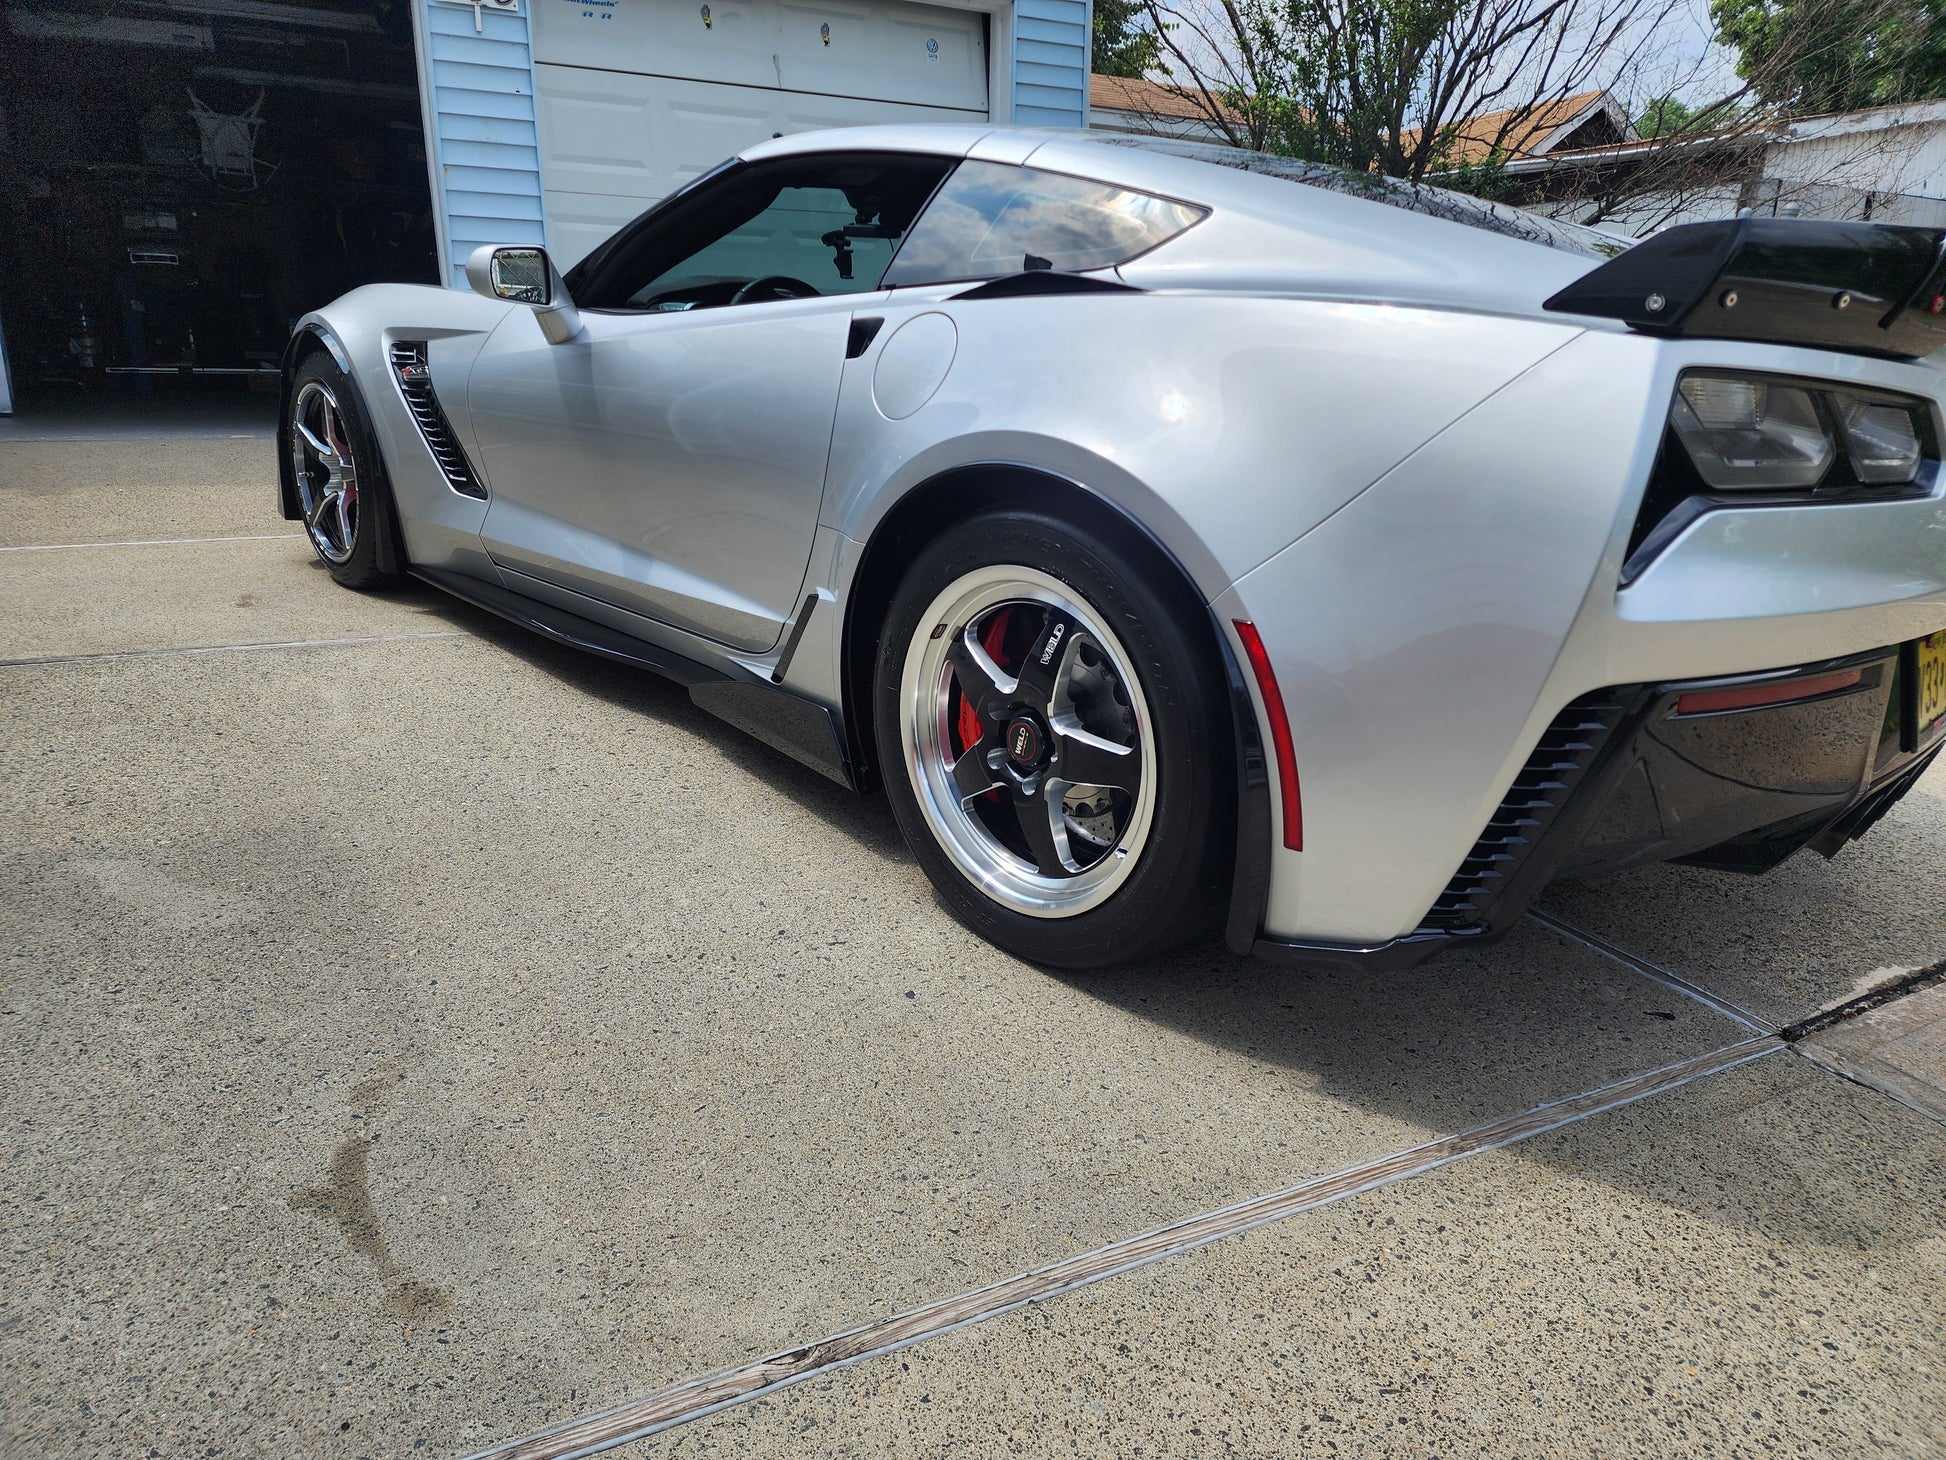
637,96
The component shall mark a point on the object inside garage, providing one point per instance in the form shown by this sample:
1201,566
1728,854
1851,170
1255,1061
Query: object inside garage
183,180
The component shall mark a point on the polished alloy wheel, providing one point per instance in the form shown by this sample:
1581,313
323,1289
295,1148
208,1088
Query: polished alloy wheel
325,471
1028,741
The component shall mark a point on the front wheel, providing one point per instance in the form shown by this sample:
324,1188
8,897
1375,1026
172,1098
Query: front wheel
341,488
1054,740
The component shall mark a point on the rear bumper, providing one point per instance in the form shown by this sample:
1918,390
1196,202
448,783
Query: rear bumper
1637,773
1427,635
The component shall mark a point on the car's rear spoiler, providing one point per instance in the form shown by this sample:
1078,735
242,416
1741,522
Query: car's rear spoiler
1870,288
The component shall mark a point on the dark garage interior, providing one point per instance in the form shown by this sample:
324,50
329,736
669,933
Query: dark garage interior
183,181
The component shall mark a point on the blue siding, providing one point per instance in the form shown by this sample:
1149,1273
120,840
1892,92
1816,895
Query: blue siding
1051,49
485,146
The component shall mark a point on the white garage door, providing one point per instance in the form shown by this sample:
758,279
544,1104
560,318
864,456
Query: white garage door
637,96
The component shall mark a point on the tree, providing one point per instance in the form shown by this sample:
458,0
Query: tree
1124,45
1404,87
1820,56
1460,92
1663,117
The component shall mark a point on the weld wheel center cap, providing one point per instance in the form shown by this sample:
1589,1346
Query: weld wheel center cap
1026,744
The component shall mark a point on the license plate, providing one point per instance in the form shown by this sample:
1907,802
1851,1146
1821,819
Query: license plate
1932,681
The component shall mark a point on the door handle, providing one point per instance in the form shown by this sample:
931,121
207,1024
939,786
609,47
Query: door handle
863,332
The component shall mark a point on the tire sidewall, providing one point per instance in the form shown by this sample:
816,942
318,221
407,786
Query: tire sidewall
1173,892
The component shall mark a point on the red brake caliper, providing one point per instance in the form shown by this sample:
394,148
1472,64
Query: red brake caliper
991,638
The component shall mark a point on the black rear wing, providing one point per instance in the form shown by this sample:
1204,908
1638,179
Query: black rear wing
1869,288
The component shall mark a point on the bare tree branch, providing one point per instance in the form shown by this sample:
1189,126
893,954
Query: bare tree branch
1463,92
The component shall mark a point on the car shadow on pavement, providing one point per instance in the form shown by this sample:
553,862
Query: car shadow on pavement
1475,1034
865,819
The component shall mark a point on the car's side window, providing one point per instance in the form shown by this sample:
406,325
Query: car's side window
991,219
798,227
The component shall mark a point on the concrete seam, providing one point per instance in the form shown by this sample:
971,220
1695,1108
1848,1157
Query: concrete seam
66,547
1891,991
1833,1065
230,648
135,436
1674,982
696,1398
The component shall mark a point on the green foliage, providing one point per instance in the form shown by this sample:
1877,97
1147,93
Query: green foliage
1123,44
1486,178
1663,117
1353,73
1837,55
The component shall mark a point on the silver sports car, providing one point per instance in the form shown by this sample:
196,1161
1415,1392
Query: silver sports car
1182,535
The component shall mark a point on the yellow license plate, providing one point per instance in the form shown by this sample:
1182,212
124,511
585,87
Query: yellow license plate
1932,681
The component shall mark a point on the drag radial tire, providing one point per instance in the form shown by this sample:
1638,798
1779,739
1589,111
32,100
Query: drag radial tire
1053,727
342,492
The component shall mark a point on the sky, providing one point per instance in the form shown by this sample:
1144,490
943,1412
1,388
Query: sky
1715,69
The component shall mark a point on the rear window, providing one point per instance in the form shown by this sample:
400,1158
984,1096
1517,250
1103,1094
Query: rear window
1395,192
991,219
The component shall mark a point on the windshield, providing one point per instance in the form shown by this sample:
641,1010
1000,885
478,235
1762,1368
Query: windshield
1395,192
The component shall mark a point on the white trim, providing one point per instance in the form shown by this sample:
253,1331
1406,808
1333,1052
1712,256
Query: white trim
1088,65
429,120
1000,61
1871,119
1603,102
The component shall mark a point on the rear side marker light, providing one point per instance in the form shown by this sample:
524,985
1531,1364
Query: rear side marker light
1280,731
1755,696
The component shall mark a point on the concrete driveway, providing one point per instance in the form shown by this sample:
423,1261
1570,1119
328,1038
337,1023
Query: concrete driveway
418,1037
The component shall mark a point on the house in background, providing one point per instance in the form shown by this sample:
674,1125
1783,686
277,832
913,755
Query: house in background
1580,158
1884,164
1167,109
1153,109
1525,134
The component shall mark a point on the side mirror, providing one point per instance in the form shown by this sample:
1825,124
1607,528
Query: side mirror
524,274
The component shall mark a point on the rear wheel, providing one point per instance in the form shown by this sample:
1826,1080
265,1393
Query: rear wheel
1053,740
341,488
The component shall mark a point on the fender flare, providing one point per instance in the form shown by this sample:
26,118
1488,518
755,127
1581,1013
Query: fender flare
1251,865
314,333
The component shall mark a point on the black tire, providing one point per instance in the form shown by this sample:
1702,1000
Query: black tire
1175,889
368,560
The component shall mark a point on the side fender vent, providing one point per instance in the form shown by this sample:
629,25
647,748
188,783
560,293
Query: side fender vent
414,376
1538,793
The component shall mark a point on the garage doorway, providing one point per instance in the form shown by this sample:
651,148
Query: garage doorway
184,179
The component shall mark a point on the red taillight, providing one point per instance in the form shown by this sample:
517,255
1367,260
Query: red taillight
1280,732
1775,692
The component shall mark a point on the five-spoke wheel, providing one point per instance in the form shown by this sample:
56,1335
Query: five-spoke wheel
1053,735
1026,736
326,471
339,481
